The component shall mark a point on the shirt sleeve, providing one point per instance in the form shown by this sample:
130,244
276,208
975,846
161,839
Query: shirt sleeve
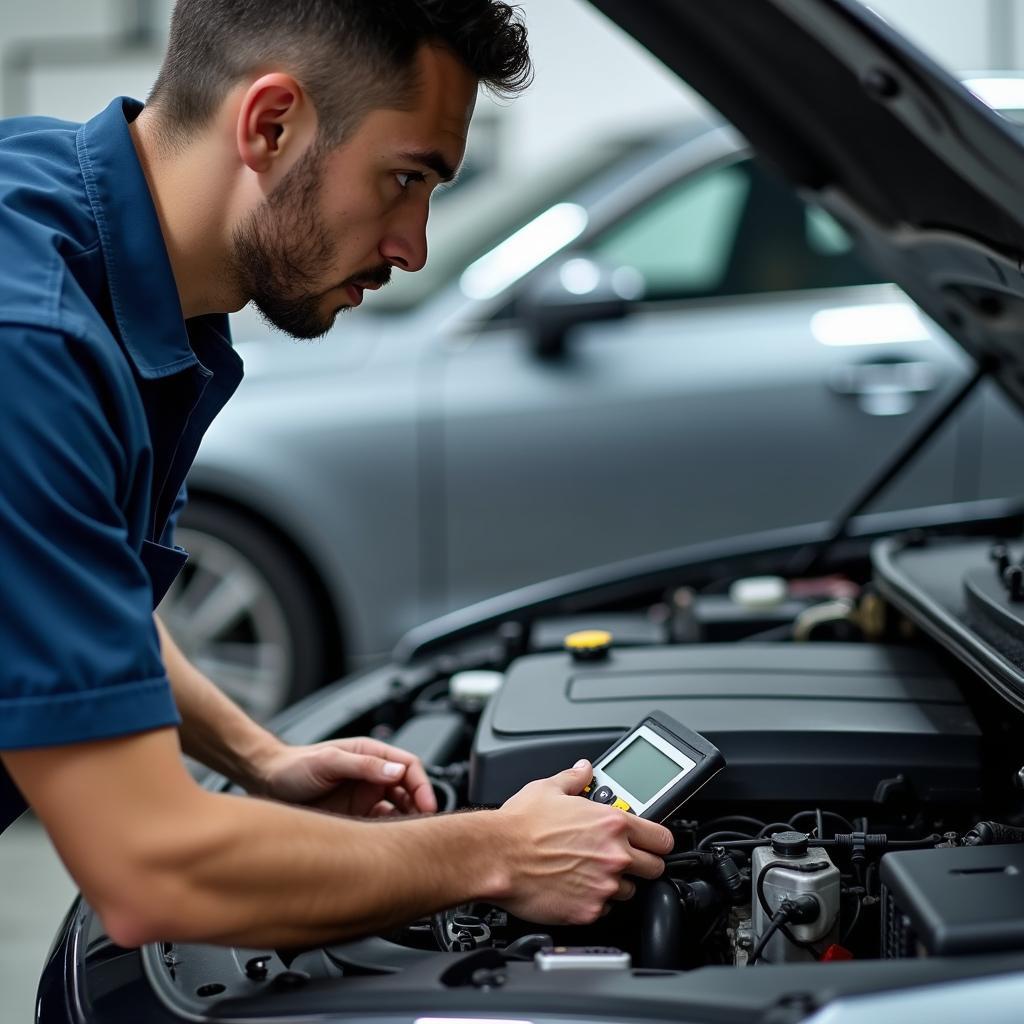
79,653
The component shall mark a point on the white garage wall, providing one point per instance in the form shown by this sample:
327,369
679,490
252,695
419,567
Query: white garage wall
574,97
40,18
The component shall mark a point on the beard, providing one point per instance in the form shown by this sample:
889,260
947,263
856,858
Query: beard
279,252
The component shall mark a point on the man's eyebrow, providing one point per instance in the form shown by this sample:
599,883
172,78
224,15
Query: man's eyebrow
434,160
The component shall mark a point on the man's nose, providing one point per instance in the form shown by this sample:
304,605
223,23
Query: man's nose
404,245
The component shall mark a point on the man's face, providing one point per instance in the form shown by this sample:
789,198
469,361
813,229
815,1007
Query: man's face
340,220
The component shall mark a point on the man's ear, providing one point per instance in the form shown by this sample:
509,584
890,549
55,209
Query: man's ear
276,123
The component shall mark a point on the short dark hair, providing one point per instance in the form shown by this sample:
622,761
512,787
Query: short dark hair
351,56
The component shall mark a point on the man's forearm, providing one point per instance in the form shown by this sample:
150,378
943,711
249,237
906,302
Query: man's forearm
334,878
214,730
160,858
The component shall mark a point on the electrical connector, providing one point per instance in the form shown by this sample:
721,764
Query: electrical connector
801,909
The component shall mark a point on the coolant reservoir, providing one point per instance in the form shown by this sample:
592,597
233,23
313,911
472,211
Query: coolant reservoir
471,689
790,868
759,592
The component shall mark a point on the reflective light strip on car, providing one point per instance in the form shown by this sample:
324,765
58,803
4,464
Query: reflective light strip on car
530,246
884,323
469,1020
1001,94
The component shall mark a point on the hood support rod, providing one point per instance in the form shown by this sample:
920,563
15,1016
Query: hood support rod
808,560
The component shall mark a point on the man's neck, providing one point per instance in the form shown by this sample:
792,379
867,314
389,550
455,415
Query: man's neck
188,191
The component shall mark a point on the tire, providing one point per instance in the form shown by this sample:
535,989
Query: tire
244,611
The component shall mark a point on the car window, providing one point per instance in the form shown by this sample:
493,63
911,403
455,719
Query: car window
682,241
732,230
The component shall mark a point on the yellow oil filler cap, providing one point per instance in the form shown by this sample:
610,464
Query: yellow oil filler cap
588,644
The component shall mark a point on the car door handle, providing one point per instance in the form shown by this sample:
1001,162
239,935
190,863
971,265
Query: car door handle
885,387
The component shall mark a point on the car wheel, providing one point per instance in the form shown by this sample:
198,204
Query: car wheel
242,611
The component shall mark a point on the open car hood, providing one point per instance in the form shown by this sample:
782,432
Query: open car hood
927,177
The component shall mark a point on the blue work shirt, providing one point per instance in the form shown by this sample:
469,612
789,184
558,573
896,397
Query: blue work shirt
105,393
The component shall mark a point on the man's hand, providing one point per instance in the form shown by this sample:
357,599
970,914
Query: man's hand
567,856
359,777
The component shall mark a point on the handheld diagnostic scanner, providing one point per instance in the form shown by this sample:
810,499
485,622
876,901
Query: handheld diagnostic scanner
654,769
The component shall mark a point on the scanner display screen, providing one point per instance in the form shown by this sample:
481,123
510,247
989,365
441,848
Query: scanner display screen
643,769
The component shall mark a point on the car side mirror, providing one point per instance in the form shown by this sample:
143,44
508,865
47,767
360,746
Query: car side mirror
573,291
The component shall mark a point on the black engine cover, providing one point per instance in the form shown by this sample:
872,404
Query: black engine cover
822,722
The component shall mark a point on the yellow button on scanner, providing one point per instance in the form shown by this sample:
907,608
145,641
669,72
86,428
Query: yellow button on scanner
622,805
588,644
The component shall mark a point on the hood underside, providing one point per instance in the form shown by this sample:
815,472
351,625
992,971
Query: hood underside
927,177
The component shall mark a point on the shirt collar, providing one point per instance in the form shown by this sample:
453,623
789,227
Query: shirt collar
142,287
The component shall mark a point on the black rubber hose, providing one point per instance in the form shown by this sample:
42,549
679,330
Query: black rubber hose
878,843
775,826
662,929
715,838
447,799
777,921
985,833
848,931
731,820
824,814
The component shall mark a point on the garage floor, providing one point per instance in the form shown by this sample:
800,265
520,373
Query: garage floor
35,893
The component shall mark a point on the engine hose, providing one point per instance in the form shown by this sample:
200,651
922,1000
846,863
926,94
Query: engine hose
779,918
662,929
445,792
876,843
715,838
440,932
987,833
819,815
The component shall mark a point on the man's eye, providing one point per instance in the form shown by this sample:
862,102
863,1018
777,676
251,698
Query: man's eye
405,178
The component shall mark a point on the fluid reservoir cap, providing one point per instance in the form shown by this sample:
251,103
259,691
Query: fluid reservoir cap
474,686
759,591
789,844
588,644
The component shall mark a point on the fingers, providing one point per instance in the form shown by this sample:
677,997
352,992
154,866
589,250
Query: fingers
627,890
649,835
423,793
383,809
402,799
411,774
337,765
645,865
573,779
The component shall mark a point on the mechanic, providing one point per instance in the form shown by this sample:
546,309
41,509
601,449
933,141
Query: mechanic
286,157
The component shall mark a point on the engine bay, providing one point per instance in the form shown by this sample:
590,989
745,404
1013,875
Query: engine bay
870,812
